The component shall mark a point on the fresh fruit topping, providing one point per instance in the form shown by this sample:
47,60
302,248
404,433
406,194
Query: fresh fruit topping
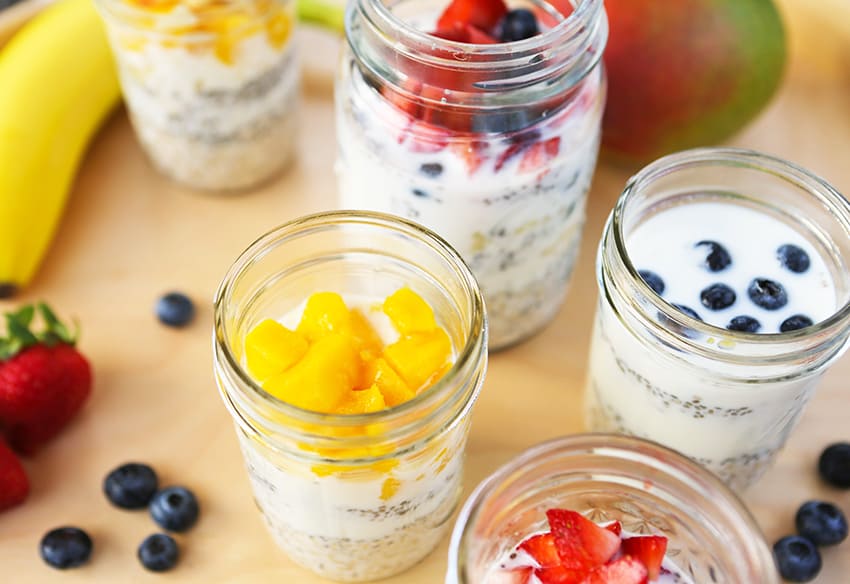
653,280
795,322
626,570
614,527
517,25
559,575
744,324
158,552
44,380
718,257
821,522
793,258
431,169
542,548
66,547
465,33
768,294
175,508
131,485
484,14
581,544
419,357
797,558
271,348
539,153
834,465
175,309
649,550
717,297
14,484
687,310
409,313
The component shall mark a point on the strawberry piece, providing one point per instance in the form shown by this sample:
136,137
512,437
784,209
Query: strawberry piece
484,14
539,153
14,484
542,548
560,575
465,33
626,570
513,150
472,153
615,527
649,550
546,19
425,137
401,100
581,544
44,380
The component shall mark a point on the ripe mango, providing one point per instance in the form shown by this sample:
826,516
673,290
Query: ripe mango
686,73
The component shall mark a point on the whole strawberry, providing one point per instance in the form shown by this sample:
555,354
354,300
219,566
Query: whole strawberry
14,484
44,380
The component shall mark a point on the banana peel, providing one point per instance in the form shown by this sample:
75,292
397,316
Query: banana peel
57,85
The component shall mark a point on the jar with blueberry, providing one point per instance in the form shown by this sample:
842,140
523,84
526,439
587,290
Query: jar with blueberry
724,298
484,126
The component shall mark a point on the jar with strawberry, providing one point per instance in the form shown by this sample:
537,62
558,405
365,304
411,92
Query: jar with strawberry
480,120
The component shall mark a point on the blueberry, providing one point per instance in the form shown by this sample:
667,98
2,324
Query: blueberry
768,294
793,258
717,297
653,280
718,258
689,311
420,193
175,508
516,25
822,523
158,552
797,558
131,486
796,322
66,547
504,121
431,169
834,465
175,309
744,324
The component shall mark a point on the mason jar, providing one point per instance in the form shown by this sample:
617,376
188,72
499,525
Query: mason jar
211,87
667,366
352,497
492,146
649,489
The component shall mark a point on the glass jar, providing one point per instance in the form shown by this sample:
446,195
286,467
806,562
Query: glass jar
352,497
211,86
646,487
491,146
728,399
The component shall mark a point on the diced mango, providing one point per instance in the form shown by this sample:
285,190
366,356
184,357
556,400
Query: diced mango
409,313
418,357
368,340
278,28
389,488
271,348
392,387
363,401
324,314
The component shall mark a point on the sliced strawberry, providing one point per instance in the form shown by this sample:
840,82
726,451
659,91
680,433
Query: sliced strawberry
521,575
513,150
546,19
477,36
626,570
400,98
542,548
649,550
560,575
472,152
539,154
425,137
615,527
484,14
581,544
465,33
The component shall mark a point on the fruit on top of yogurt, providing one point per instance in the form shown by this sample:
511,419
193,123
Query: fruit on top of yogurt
14,483
483,14
271,348
685,74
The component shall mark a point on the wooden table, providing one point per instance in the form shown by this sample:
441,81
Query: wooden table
129,236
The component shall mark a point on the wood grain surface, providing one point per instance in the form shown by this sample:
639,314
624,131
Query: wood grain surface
130,235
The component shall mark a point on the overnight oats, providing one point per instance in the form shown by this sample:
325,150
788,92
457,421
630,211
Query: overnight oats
483,125
605,509
724,294
211,86
349,349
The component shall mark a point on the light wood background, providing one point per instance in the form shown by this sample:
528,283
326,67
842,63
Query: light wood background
129,235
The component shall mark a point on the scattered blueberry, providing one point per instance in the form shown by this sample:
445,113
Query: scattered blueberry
689,311
796,322
793,258
516,25
718,258
717,297
744,324
797,558
431,169
175,309
768,294
175,508
66,547
420,193
158,552
834,465
653,280
822,523
131,486
504,121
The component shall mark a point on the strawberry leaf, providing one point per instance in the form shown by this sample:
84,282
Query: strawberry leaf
56,330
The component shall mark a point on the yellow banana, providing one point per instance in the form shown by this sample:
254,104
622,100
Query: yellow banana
57,84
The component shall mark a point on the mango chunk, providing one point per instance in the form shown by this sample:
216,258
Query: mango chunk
409,313
417,357
363,401
392,387
323,377
368,340
271,348
324,314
